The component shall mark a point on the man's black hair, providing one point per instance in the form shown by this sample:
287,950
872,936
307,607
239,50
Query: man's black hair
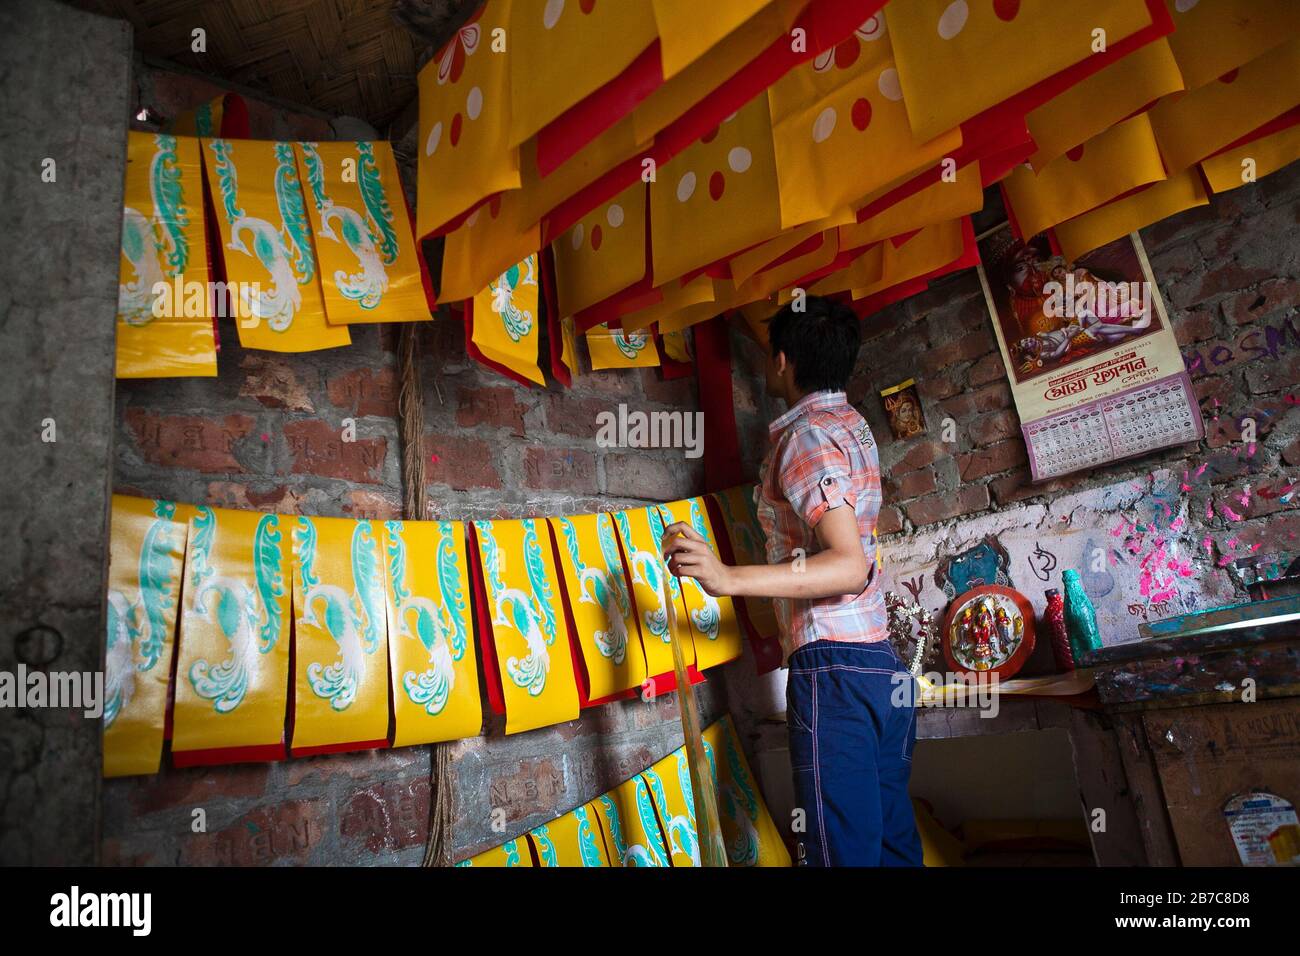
821,341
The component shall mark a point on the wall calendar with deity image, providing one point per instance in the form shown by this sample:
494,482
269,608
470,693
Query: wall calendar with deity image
1093,363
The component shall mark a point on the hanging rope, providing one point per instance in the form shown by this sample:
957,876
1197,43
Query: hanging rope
410,412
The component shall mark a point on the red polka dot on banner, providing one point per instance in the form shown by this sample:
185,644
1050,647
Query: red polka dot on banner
595,237
455,129
1006,9
586,6
1228,77
861,113
1076,154
717,184
846,53
710,136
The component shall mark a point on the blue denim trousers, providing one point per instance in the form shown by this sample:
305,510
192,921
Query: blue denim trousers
852,717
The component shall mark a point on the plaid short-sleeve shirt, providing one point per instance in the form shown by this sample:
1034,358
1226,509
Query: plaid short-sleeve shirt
822,455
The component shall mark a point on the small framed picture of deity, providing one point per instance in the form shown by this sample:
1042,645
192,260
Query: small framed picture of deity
903,406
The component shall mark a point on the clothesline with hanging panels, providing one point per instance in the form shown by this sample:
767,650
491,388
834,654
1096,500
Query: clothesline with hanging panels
296,635
630,170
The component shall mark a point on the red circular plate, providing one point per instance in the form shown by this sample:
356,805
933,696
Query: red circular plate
996,637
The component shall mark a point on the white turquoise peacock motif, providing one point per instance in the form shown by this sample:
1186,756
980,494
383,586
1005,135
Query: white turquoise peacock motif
532,615
137,625
648,568
654,853
630,343
738,803
682,835
518,322
440,628
708,617
156,248
371,238
285,252
602,585
352,620
587,848
249,617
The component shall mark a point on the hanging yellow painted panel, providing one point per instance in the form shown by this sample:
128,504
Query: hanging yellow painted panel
670,788
164,310
1182,190
574,839
717,196
751,836
840,129
603,252
267,246
562,53
740,520
617,348
627,814
1111,164
715,629
1262,156
511,853
146,552
685,36
676,346
939,202
492,238
1094,105
430,639
369,268
931,248
602,608
505,320
995,49
232,676
341,637
1209,39
529,632
640,530
465,154
1200,122
677,297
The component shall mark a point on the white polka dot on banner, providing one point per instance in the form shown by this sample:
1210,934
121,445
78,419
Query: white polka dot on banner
824,125
576,236
686,186
435,136
1182,6
474,103
889,85
873,29
614,215
739,159
953,19
551,13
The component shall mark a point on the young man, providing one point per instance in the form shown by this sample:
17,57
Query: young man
818,498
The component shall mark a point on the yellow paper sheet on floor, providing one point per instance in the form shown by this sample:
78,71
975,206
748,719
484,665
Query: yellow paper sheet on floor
740,521
164,250
341,635
603,252
369,268
602,608
751,836
1182,190
232,676
716,198
1265,155
616,348
1198,123
840,129
627,814
1215,36
574,839
714,627
494,237
267,246
561,53
465,154
506,318
640,531
146,553
1117,161
529,633
1107,97
511,853
957,58
432,662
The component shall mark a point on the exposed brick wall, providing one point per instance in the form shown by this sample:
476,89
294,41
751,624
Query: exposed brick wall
266,434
